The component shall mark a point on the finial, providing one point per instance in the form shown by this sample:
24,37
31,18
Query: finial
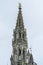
19,5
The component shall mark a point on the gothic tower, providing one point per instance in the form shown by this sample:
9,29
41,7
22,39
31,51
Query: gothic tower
20,56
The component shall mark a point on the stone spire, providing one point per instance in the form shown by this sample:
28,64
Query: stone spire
20,23
20,55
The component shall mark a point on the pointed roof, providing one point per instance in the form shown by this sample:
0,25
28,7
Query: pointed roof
31,58
20,18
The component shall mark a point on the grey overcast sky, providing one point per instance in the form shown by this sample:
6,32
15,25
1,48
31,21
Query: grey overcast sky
32,11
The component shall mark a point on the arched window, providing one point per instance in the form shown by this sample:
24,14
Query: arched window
15,51
19,52
19,22
23,54
23,35
14,35
18,63
19,35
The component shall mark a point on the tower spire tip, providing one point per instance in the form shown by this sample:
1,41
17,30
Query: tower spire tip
19,5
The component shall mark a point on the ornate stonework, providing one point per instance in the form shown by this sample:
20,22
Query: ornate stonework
21,56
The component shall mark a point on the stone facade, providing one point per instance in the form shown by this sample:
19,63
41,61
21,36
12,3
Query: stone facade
21,54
